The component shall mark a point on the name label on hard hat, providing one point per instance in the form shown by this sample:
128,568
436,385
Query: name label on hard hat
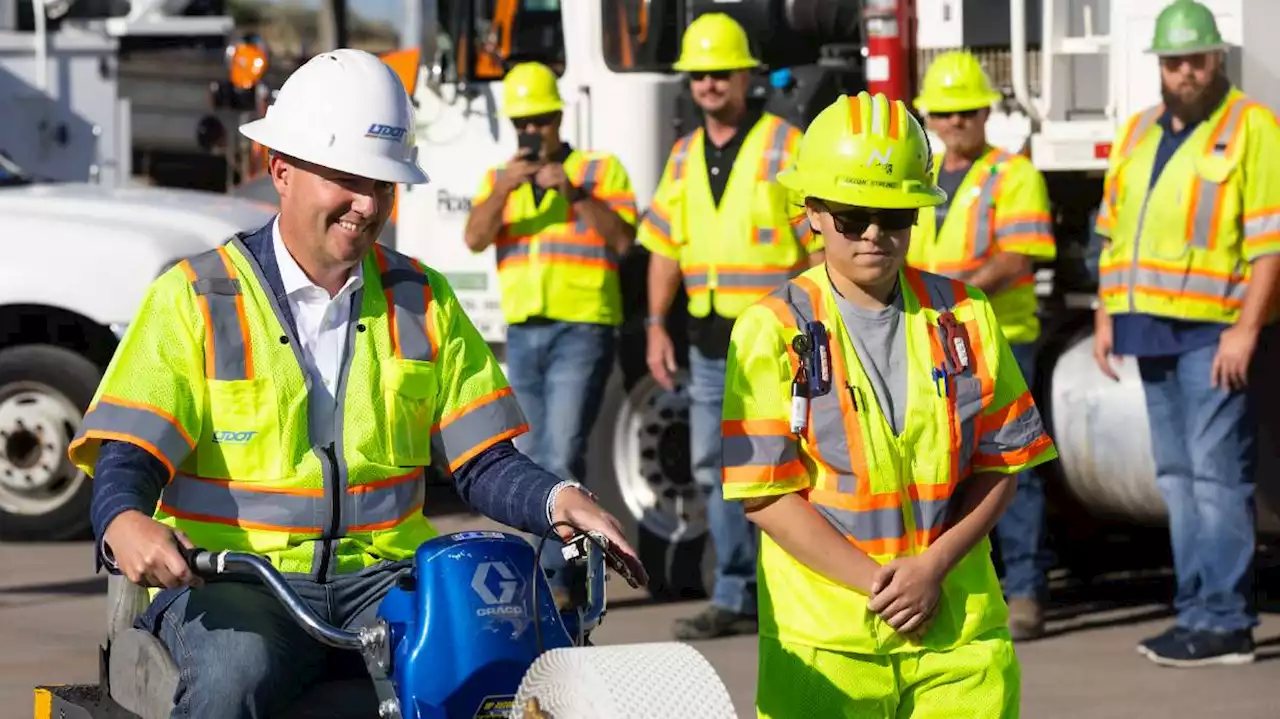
385,132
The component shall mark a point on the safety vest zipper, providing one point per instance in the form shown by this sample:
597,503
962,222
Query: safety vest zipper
334,493
1137,249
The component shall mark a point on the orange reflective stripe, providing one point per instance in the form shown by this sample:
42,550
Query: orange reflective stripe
144,425
937,356
476,426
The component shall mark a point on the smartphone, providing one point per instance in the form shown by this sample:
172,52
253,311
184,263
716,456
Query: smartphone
530,144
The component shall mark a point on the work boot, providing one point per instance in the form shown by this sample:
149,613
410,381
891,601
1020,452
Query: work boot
1026,619
1186,648
714,622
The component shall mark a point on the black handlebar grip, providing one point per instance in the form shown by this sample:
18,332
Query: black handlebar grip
201,561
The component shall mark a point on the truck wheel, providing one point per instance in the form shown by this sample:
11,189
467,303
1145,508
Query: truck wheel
627,681
639,460
44,392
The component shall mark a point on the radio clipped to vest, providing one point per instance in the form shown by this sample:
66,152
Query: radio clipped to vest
813,372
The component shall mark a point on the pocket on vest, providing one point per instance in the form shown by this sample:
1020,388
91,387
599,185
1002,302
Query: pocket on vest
243,440
410,388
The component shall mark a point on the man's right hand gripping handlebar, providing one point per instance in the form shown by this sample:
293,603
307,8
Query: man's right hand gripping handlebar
149,553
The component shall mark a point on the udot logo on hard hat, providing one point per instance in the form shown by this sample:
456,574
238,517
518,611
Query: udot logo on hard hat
385,132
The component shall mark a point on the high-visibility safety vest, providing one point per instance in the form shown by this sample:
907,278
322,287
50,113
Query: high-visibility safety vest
209,380
752,242
1002,205
1182,248
551,262
890,495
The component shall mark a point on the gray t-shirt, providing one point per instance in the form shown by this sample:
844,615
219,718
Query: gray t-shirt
880,339
949,180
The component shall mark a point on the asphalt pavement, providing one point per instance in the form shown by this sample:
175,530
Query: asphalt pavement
52,616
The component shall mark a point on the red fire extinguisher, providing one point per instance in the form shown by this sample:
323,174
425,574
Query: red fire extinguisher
890,34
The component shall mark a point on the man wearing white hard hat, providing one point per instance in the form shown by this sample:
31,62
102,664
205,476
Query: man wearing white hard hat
284,393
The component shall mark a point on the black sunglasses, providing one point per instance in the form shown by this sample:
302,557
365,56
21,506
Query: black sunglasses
856,221
713,74
538,121
966,114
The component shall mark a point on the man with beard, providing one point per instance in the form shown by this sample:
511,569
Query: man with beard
993,225
282,394
1191,210
720,222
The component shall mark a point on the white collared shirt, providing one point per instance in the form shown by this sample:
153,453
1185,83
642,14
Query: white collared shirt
322,324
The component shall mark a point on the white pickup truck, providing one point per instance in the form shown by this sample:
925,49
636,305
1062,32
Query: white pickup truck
78,258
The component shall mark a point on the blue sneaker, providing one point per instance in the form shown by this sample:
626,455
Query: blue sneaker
1180,647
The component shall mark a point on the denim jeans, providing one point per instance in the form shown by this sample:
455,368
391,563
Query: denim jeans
1020,531
558,371
734,539
240,654
1204,444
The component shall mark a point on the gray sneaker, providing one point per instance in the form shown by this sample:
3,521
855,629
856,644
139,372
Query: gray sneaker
714,622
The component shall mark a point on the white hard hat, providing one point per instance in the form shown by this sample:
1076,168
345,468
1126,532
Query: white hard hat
345,110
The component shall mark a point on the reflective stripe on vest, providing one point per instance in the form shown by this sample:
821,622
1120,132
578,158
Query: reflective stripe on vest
408,297
151,428
770,165
1207,197
251,505
228,351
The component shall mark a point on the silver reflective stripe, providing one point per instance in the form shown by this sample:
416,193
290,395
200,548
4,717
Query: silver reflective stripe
214,284
680,157
768,281
866,526
695,281
511,250
590,178
930,514
1191,284
757,450
777,150
237,503
800,230
982,232
766,235
459,436
1203,223
1262,225
165,437
410,291
585,252
1016,433
1025,227
1145,122
388,502
967,388
658,221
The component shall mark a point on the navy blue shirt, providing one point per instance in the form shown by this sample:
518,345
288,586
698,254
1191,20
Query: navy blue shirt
1139,335
501,482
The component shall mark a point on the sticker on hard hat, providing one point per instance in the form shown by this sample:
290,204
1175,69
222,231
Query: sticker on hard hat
385,132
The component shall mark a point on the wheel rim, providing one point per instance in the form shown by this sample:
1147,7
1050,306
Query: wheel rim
651,461
36,424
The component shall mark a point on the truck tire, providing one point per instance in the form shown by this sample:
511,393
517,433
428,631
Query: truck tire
639,464
627,681
44,392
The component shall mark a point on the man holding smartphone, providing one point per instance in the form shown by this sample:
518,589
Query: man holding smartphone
560,219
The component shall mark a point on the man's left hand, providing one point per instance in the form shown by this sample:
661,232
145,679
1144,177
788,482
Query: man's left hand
1235,353
578,509
551,176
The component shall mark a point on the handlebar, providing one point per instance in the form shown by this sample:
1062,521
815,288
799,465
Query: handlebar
206,563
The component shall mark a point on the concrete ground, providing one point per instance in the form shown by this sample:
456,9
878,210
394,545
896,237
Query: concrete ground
52,615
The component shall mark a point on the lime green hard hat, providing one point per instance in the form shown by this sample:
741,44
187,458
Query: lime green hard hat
955,82
866,151
714,42
529,89
1186,27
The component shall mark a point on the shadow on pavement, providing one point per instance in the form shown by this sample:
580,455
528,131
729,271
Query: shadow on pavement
74,587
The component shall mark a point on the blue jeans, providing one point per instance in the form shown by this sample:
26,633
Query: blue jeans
239,654
558,371
1204,444
1020,531
734,539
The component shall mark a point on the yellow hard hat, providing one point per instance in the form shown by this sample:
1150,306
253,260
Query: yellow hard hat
529,89
712,42
866,151
956,82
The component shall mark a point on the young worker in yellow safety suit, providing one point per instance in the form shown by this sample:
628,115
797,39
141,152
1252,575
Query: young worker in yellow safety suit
874,422
994,224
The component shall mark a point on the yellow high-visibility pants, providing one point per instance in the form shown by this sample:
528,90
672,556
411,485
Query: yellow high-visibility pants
980,680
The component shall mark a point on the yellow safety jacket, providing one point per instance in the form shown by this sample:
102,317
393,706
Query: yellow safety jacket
551,262
1182,248
209,380
891,496
753,241
1001,206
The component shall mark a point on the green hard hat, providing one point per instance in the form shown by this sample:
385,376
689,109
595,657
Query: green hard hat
1186,27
